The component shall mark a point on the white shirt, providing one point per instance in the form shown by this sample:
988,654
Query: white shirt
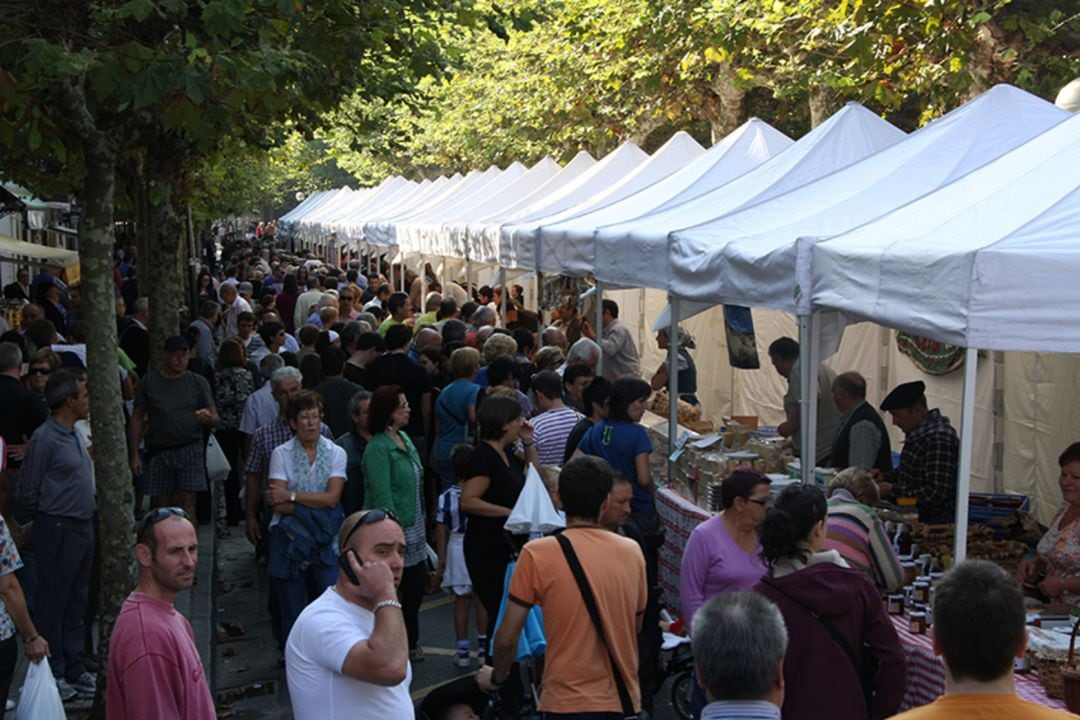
281,467
315,655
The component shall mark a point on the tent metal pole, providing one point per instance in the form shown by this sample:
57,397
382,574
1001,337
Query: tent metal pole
502,296
468,277
967,435
805,380
598,328
810,395
673,379
423,287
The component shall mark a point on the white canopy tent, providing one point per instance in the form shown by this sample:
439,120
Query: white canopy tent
484,238
309,203
449,241
379,231
749,257
999,249
418,233
519,241
641,245
568,244
352,226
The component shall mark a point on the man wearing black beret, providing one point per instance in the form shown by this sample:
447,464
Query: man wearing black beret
929,459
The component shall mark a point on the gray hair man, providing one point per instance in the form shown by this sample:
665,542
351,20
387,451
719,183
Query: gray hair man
739,643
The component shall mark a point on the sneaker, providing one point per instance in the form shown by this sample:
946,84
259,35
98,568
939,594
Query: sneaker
67,693
462,659
9,706
416,655
85,684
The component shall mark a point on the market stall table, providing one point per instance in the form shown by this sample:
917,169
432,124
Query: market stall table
680,517
926,674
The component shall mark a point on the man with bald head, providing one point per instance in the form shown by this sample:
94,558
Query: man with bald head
348,654
555,337
861,440
428,337
154,668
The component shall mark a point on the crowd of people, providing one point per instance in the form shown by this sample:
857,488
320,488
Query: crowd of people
368,416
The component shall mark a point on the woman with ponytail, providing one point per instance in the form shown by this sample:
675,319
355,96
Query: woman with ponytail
844,658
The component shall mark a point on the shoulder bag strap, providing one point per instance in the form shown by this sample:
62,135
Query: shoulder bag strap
594,613
831,628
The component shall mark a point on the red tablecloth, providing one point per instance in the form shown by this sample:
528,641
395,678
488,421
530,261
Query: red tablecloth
926,675
680,517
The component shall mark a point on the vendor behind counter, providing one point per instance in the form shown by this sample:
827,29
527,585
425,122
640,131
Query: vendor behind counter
1055,569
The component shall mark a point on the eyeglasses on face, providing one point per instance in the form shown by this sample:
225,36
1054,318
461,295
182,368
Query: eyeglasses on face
39,371
155,516
762,501
369,518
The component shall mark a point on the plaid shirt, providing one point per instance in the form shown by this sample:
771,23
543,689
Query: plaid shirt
927,469
269,436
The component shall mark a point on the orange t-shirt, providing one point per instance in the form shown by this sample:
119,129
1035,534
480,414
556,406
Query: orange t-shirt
577,672
983,707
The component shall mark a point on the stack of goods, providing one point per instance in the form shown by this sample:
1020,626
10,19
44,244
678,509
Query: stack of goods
938,540
685,414
704,461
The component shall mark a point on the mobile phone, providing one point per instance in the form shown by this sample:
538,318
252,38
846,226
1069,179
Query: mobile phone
343,561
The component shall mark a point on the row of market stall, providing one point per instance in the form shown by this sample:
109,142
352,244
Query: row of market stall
964,231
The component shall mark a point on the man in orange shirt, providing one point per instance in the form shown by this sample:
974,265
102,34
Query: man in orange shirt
578,676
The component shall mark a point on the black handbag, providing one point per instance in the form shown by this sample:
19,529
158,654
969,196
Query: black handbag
590,604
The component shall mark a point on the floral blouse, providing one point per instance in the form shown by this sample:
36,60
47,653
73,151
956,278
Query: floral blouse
1061,549
232,387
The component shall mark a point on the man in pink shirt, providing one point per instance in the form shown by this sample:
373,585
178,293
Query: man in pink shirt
154,668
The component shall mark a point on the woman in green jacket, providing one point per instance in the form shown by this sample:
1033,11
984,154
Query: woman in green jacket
394,480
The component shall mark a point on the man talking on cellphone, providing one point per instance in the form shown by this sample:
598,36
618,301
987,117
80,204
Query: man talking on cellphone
347,655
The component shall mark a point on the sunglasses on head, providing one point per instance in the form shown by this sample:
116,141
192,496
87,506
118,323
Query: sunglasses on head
155,516
369,518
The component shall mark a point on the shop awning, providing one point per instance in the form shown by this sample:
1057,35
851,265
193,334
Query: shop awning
12,248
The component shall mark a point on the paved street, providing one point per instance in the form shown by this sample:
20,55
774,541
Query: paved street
249,681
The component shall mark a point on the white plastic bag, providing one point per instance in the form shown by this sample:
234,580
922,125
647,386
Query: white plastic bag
534,512
217,465
39,699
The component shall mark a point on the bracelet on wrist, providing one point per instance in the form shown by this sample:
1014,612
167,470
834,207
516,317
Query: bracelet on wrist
528,444
30,640
385,603
498,684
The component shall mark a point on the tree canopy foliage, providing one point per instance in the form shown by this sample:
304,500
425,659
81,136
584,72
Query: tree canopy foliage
592,73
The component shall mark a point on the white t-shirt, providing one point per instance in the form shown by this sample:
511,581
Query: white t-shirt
315,654
281,467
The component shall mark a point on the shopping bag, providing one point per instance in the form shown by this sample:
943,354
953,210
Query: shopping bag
39,699
217,465
534,512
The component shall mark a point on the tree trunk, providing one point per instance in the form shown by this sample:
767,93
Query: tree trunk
822,102
162,273
730,110
111,470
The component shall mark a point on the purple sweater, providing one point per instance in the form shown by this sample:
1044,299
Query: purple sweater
713,563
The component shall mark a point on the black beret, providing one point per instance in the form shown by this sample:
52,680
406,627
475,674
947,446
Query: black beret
904,396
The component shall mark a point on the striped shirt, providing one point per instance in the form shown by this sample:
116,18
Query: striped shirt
855,532
740,710
550,430
449,511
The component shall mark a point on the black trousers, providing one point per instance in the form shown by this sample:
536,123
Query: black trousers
411,593
65,554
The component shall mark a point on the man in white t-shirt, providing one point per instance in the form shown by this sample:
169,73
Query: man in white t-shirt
553,425
348,654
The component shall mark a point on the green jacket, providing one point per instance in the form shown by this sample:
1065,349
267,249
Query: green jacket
390,477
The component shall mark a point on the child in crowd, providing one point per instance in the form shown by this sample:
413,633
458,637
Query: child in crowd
449,536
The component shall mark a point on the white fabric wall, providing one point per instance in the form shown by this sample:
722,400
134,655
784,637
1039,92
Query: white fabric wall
1040,391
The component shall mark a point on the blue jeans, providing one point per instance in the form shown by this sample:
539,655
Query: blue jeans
292,594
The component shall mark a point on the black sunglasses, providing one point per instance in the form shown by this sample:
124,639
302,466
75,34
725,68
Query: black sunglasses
38,371
369,518
155,516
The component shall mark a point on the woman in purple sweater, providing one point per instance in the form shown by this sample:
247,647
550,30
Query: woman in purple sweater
821,598
723,553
